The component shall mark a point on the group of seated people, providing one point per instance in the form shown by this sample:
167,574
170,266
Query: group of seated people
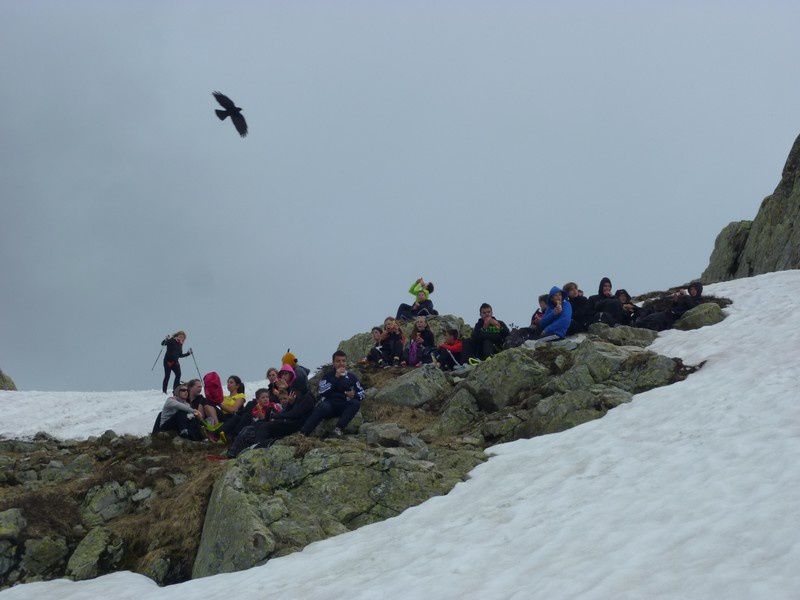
561,312
284,407
287,406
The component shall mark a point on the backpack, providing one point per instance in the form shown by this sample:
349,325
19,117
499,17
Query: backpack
213,388
519,336
412,353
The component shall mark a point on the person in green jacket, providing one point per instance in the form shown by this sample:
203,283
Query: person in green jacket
423,306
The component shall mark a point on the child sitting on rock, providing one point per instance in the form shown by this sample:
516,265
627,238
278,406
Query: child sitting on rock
421,343
375,354
340,394
450,353
393,341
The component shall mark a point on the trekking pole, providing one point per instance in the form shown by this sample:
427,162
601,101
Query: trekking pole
196,367
157,357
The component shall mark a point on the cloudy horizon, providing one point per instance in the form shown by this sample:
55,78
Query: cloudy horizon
495,149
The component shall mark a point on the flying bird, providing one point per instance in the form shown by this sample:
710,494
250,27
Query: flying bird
232,111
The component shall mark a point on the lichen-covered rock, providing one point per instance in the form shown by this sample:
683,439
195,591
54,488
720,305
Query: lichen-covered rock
460,412
707,313
99,552
8,558
497,382
771,242
272,502
415,388
645,371
106,502
383,434
622,335
12,523
6,383
44,557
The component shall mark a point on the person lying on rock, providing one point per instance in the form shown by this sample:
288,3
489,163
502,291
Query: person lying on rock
340,394
423,306
450,353
682,301
421,344
488,334
393,341
261,434
558,316
582,309
178,415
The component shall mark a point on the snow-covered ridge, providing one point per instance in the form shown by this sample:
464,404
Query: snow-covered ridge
690,491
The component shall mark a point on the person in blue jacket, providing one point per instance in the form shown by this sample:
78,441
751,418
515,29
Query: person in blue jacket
558,316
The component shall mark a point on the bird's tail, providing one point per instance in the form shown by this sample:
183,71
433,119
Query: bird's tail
221,114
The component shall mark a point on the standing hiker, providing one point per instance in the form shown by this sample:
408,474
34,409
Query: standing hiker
174,344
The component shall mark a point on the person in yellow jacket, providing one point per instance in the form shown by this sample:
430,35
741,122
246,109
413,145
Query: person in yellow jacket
423,306
234,400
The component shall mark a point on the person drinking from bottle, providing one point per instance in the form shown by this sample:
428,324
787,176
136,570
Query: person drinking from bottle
174,353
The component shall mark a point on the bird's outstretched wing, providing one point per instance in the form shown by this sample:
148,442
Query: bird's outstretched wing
224,101
239,123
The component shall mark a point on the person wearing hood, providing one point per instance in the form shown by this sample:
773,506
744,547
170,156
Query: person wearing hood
300,372
630,312
685,300
582,310
558,316
340,395
488,334
603,292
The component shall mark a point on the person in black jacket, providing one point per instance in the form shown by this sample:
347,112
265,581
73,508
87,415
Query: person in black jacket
296,410
630,312
603,292
582,310
488,334
174,344
682,301
340,395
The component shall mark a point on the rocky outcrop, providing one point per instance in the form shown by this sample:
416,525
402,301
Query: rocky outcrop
771,242
6,383
276,501
415,388
700,316
99,552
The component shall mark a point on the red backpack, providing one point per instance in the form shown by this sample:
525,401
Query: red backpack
213,388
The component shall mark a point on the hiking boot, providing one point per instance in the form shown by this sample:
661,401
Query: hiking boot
337,432
396,361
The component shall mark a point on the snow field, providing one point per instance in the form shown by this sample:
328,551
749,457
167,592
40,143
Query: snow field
688,492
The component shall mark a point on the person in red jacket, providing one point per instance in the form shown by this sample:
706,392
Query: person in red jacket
450,353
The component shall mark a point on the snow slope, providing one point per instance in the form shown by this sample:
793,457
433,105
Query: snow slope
690,491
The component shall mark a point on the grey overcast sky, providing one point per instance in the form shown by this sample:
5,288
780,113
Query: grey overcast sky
497,148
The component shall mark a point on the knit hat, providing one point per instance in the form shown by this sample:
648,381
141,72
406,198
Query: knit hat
289,359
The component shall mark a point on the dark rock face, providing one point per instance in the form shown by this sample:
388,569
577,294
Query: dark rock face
6,383
769,243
